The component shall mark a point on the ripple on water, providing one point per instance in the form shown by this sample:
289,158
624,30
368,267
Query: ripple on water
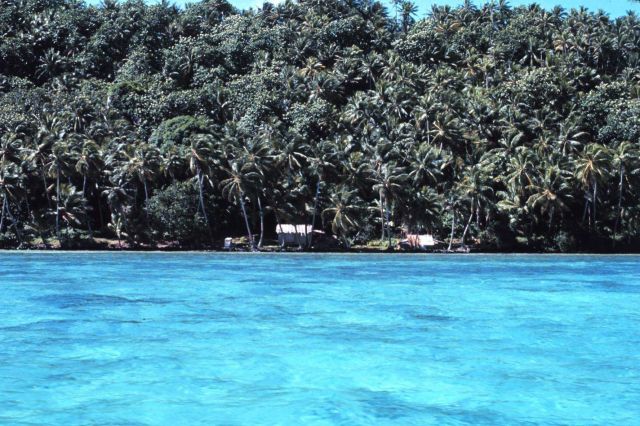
111,338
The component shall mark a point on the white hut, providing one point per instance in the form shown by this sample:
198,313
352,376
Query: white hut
426,241
420,242
298,235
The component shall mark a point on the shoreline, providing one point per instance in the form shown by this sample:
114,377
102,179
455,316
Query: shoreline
306,253
185,250
113,246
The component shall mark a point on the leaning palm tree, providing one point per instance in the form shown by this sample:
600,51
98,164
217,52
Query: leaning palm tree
199,156
256,156
235,188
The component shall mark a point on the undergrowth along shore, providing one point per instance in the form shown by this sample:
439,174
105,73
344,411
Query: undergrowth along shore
106,244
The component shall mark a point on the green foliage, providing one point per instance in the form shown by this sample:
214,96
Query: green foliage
515,128
173,214
565,242
176,131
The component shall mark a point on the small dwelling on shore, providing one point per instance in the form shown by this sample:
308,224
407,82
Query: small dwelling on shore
298,235
419,242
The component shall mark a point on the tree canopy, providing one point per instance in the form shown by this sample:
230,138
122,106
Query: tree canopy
516,128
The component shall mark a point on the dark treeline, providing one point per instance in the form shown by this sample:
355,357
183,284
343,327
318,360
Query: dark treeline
514,127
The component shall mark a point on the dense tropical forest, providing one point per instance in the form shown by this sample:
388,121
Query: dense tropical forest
508,128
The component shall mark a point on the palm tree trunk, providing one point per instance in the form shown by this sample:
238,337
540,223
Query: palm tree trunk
44,182
146,201
453,227
246,221
86,210
261,223
466,228
100,212
428,130
595,200
620,188
4,205
200,178
146,190
14,223
58,201
315,210
118,234
382,216
388,221
586,208
277,215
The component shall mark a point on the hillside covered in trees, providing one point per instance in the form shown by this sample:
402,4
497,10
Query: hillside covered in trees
517,128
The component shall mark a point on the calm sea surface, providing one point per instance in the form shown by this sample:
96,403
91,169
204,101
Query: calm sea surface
123,338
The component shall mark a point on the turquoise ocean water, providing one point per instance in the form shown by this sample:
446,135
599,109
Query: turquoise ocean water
137,339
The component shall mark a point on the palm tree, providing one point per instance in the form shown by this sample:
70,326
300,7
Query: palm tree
474,187
519,174
389,180
89,163
117,200
422,209
139,162
551,193
256,156
321,161
59,162
407,12
73,204
9,188
342,206
235,189
624,159
424,166
199,155
592,167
